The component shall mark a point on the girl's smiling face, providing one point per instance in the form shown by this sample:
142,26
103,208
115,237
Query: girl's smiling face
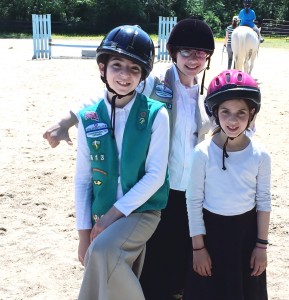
122,75
190,66
234,116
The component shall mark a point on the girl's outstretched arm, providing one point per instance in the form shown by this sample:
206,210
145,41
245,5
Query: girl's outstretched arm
59,131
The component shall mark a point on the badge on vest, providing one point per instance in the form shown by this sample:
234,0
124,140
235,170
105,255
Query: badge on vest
96,217
96,130
91,115
99,170
97,157
142,119
163,91
97,182
96,144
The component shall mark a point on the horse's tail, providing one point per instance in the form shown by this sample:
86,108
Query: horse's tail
239,52
245,46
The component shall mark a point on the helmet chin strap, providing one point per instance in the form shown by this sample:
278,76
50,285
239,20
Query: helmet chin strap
203,79
225,153
113,100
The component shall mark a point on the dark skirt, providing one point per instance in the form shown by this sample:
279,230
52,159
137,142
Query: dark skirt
167,252
230,241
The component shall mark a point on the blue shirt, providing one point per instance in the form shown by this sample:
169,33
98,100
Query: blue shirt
247,19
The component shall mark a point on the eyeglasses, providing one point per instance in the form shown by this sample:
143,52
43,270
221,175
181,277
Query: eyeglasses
195,53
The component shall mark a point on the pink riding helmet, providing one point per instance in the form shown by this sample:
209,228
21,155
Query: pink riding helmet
233,84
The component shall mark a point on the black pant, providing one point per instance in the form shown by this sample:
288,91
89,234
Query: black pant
230,241
167,252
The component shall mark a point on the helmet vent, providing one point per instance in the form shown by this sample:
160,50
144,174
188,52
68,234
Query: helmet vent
239,77
228,77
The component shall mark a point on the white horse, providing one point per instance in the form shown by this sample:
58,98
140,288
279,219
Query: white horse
245,46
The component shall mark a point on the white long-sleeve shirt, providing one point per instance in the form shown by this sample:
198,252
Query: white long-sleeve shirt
184,133
155,167
238,189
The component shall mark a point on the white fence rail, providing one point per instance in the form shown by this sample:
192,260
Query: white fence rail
42,41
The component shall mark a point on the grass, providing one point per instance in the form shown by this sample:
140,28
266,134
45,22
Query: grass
269,42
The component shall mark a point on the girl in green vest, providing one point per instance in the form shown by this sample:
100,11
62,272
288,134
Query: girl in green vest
191,45
121,181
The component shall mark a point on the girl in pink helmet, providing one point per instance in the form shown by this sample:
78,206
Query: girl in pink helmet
228,198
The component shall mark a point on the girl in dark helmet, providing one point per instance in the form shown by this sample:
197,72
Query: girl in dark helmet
121,181
228,198
191,45
247,17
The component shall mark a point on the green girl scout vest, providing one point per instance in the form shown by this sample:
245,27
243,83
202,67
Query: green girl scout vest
104,154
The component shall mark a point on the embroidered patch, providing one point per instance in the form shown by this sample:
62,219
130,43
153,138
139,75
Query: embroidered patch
97,182
96,217
142,120
91,115
169,105
163,91
96,130
99,170
96,144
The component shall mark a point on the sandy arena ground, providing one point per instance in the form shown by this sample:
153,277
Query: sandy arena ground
38,240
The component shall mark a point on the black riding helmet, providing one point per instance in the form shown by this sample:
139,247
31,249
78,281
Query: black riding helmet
130,42
195,34
191,34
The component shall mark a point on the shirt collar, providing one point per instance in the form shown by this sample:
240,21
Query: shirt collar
127,107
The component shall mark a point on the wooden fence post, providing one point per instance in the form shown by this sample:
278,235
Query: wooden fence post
41,26
166,25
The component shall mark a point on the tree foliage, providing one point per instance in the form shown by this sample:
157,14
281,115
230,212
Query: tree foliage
108,13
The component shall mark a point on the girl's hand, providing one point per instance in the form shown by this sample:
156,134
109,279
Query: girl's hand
98,227
84,242
106,220
55,134
258,261
202,263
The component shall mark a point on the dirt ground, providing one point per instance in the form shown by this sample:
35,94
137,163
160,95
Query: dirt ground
38,240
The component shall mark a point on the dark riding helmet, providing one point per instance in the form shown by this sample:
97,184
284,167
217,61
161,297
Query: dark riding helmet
193,34
247,3
130,42
233,84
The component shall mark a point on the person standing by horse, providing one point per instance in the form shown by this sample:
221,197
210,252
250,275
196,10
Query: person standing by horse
247,17
227,43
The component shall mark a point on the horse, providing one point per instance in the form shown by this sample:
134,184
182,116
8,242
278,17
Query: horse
245,45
